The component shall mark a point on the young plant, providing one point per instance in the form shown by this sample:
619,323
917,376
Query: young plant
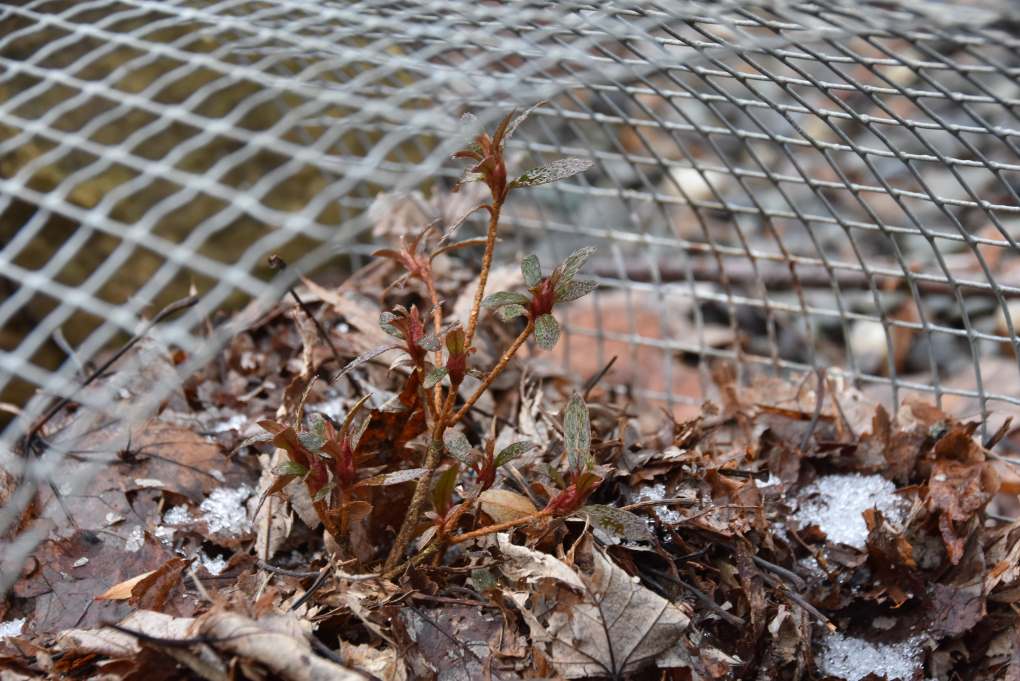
484,462
581,478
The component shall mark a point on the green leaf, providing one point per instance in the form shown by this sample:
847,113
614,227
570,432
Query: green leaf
547,331
572,290
570,267
501,298
457,445
516,122
395,478
311,441
555,171
442,493
291,468
509,312
323,492
616,521
429,343
434,376
577,433
385,324
318,423
531,268
512,451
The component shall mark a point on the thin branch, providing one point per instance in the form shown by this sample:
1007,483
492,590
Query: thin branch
494,373
483,275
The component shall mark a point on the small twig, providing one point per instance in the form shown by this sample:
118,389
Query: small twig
284,571
499,527
277,263
819,401
594,380
776,583
494,373
702,597
483,275
781,571
319,581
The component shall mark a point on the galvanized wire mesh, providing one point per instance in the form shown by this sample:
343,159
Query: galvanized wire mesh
787,185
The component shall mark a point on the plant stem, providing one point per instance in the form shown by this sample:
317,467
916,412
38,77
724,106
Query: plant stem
499,527
432,458
494,373
437,318
483,275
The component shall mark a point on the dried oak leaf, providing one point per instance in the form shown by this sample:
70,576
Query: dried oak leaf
597,623
958,491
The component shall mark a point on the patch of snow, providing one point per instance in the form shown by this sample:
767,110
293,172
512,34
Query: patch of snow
657,492
148,482
218,474
12,627
236,422
224,512
854,658
81,562
333,408
114,518
214,565
810,565
771,482
178,515
164,534
835,503
135,540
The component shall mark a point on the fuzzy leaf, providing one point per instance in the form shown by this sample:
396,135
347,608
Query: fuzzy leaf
531,268
429,342
555,171
516,122
572,290
501,298
364,357
457,445
311,441
395,478
434,376
570,267
616,521
385,324
510,312
291,468
547,331
512,451
577,433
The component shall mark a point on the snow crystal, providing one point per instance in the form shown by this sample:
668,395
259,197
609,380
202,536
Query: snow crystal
135,540
214,565
223,511
164,534
11,627
657,492
835,503
854,658
178,515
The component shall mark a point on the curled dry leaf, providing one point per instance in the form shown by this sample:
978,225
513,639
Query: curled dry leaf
503,505
602,624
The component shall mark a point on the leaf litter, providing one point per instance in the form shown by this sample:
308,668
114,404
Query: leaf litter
767,537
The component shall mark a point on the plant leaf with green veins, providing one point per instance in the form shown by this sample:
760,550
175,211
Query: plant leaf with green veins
396,478
572,290
457,445
547,331
311,441
291,468
429,342
576,432
509,312
570,267
531,268
553,172
512,451
434,376
384,323
618,522
501,298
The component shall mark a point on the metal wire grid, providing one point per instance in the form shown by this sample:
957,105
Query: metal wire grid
793,171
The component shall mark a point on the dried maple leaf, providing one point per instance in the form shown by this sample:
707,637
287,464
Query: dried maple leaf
602,623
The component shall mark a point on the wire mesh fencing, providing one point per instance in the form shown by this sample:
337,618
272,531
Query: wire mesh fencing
789,186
